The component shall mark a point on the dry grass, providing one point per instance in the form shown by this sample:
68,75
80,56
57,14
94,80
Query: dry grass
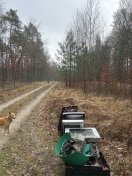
33,153
113,120
9,94
20,104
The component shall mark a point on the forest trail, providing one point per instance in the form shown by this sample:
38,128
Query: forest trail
8,103
21,115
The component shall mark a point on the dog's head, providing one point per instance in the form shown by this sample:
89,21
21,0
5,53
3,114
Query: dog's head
11,116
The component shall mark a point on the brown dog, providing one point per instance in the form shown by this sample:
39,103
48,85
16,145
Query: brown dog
6,121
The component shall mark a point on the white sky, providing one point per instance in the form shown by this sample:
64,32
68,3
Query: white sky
55,16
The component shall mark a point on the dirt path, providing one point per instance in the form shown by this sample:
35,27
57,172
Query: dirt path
4,105
21,115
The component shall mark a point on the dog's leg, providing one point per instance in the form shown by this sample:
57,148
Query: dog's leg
6,130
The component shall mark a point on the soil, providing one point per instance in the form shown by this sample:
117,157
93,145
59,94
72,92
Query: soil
21,115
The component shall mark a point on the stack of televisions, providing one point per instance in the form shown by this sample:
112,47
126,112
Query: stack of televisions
78,146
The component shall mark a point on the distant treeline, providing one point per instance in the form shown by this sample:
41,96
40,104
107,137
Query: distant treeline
96,63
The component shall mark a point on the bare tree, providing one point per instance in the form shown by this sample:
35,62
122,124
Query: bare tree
86,26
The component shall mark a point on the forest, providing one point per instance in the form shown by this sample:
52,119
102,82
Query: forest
24,56
86,59
92,69
95,62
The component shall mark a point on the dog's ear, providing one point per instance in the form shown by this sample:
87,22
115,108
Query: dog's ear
9,113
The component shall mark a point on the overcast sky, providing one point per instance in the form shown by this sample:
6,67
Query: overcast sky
55,15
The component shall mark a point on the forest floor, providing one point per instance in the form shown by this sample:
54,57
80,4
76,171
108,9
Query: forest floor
30,150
